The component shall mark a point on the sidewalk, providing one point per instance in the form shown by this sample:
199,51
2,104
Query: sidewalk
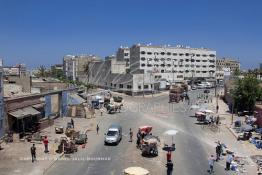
15,158
228,136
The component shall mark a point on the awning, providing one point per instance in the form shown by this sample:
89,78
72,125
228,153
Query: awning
24,112
39,106
74,99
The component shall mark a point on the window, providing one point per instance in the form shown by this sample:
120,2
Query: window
187,65
187,60
145,86
204,66
149,53
187,54
180,71
198,71
168,53
121,86
111,84
129,86
204,71
174,59
181,65
181,54
168,65
143,65
204,55
198,55
126,54
139,87
187,71
162,53
156,59
192,60
114,85
175,65
197,66
162,71
142,52
168,59
204,60
175,54
156,65
212,55
149,65
143,58
150,59
197,60
162,65
180,76
155,53
162,59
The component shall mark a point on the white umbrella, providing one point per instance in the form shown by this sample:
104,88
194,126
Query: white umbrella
171,132
194,107
208,111
136,171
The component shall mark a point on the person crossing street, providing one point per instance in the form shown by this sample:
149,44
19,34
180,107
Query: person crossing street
131,135
33,153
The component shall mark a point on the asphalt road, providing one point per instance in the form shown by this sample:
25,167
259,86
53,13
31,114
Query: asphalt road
192,144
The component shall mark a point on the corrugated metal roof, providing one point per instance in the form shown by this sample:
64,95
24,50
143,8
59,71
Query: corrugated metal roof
24,112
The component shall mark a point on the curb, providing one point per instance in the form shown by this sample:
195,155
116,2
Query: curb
52,163
232,132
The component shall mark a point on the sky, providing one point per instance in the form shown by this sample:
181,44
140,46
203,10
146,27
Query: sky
41,32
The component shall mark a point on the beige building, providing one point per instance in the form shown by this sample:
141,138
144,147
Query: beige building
228,63
74,65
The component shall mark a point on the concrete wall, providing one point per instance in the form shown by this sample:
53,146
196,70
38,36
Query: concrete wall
47,86
23,81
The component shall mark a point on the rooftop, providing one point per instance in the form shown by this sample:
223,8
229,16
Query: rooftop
171,47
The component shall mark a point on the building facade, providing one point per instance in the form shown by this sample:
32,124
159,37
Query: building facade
123,54
173,63
228,63
148,65
2,119
74,66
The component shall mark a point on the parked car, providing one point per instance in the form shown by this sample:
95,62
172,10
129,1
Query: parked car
81,139
113,135
206,91
193,87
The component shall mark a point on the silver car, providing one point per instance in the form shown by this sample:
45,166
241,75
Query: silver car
113,135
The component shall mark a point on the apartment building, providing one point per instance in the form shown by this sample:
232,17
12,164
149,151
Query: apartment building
228,63
74,65
148,65
173,63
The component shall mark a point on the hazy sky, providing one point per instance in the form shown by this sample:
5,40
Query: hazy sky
39,32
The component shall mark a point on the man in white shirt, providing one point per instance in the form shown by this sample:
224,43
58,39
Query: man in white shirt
228,161
211,164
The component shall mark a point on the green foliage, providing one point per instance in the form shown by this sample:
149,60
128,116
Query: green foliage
246,92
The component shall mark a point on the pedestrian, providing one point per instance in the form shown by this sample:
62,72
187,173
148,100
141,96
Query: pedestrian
168,156
33,153
97,129
131,135
218,151
138,137
45,141
72,123
169,166
101,111
218,120
217,108
211,164
228,161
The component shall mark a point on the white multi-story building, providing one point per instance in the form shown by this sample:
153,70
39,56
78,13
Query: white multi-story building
173,63
74,66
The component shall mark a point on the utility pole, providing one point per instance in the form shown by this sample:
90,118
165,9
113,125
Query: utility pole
232,111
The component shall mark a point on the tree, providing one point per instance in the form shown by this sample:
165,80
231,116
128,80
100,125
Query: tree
246,92
42,71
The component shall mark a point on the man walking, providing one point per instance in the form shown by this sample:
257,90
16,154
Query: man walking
169,167
168,156
45,141
211,164
72,123
97,129
228,161
33,153
131,135
217,108
218,152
